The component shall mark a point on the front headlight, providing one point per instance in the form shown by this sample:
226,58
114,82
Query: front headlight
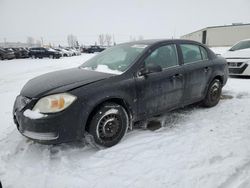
54,103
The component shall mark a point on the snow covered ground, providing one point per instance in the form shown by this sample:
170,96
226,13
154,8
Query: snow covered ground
195,147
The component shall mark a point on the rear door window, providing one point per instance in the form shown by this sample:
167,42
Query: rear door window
191,53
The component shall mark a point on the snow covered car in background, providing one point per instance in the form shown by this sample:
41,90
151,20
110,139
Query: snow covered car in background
238,58
41,52
76,51
122,85
64,52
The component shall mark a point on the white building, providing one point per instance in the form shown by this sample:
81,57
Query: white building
226,35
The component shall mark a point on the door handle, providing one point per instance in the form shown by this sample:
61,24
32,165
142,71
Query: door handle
177,76
206,69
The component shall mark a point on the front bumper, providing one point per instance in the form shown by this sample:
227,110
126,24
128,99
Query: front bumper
61,127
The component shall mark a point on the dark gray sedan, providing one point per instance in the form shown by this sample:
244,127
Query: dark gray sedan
122,85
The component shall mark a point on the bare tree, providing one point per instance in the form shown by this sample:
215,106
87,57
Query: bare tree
132,38
38,43
30,41
140,37
72,40
108,39
101,39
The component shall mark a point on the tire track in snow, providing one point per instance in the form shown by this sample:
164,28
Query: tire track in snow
238,177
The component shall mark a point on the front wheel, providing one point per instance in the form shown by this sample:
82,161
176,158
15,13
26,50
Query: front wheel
109,124
213,94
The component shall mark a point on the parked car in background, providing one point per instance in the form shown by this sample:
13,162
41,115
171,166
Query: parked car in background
124,84
76,51
238,58
20,53
93,49
6,54
64,52
41,52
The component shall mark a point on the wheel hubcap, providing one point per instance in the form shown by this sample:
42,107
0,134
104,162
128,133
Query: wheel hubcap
109,127
215,91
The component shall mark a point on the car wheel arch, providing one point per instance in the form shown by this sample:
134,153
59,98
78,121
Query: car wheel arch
115,100
219,77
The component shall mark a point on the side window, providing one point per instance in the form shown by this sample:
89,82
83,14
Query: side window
204,53
191,53
165,56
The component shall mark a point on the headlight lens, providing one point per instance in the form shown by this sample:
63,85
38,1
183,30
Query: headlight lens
54,103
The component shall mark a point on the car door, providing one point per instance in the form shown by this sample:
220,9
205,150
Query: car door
160,91
197,68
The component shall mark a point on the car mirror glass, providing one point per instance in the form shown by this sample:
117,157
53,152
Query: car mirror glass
150,68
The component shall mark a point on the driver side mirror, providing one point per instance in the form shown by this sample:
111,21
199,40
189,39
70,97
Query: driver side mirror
150,68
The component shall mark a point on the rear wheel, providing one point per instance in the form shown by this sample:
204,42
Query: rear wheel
213,94
109,124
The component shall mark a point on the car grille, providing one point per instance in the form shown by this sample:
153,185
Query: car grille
21,102
237,70
235,64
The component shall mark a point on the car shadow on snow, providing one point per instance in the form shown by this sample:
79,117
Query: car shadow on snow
171,119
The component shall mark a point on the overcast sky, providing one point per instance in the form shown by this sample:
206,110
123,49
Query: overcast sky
55,19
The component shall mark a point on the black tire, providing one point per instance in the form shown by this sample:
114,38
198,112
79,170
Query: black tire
213,94
109,124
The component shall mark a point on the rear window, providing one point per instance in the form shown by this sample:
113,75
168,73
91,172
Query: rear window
191,53
204,53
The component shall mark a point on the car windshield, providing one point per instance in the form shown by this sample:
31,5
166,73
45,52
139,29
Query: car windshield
241,45
116,59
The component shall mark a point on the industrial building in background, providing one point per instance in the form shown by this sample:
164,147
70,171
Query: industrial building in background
216,36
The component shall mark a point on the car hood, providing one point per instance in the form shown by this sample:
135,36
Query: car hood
61,81
245,54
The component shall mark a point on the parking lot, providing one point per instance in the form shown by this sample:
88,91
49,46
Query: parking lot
195,147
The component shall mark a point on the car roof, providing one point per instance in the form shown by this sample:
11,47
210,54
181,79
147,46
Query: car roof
245,40
156,41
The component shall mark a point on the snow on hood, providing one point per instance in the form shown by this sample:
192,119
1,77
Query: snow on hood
104,69
245,53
